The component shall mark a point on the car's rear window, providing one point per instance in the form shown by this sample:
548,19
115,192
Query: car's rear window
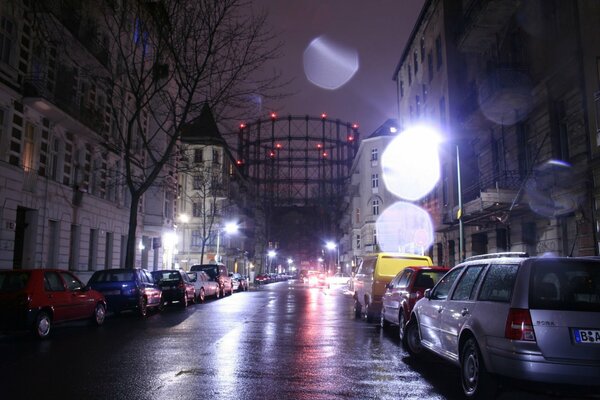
390,266
211,270
112,276
498,283
166,276
13,281
572,285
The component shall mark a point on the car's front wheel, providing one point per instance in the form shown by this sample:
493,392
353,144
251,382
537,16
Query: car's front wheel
99,314
143,307
43,325
383,323
357,309
477,383
412,339
401,327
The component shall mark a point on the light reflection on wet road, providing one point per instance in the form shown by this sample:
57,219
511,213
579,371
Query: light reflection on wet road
280,341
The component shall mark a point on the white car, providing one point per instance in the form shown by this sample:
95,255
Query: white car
205,287
339,278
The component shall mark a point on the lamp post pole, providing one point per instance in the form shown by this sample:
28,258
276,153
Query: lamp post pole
460,211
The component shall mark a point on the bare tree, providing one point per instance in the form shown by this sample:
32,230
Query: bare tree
162,61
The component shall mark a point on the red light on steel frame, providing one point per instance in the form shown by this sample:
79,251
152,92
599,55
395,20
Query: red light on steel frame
273,115
278,146
354,126
319,145
323,115
242,125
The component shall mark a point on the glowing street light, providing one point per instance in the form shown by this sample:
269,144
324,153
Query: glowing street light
271,254
332,246
229,228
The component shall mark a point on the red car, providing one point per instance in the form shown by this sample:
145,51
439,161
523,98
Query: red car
403,292
37,299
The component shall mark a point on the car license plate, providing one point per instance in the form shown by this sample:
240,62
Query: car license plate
111,292
587,335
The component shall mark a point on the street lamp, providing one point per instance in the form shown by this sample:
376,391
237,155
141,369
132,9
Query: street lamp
184,219
229,228
271,254
331,246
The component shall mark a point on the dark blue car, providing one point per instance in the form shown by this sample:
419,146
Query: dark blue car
128,289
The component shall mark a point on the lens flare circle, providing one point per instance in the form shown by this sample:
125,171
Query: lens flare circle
411,164
404,227
329,65
549,189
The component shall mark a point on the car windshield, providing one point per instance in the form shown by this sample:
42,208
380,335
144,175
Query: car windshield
573,286
112,276
11,281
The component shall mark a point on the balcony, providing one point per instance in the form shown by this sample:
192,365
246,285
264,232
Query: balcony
58,103
492,193
483,19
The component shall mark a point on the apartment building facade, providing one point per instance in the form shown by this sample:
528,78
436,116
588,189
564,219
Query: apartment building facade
510,85
62,199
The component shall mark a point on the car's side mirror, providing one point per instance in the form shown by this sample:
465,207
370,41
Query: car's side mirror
427,294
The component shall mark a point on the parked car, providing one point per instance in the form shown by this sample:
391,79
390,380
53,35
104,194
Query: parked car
37,299
217,272
205,287
128,289
529,318
404,291
242,281
261,279
373,274
176,286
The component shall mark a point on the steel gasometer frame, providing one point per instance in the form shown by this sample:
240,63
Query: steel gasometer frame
300,165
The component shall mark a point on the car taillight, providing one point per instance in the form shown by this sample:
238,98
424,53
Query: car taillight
519,325
180,285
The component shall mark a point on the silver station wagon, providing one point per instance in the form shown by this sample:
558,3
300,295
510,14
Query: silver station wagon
506,314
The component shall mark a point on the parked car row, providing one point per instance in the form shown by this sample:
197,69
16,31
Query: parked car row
503,315
37,299
261,279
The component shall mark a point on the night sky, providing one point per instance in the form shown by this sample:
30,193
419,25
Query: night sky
375,30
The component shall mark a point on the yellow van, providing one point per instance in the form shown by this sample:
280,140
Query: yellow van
373,274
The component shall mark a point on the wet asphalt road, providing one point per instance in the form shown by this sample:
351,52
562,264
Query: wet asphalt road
279,341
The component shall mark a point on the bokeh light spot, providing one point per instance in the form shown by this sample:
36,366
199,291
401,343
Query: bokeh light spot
404,227
329,65
505,96
410,163
549,189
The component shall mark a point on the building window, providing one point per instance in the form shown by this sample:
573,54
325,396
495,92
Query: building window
374,180
524,159
68,159
196,209
358,241
430,66
443,111
374,154
422,48
375,206
374,236
215,158
357,215
196,238
28,147
401,88
197,184
198,155
409,75
416,62
7,32
438,51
